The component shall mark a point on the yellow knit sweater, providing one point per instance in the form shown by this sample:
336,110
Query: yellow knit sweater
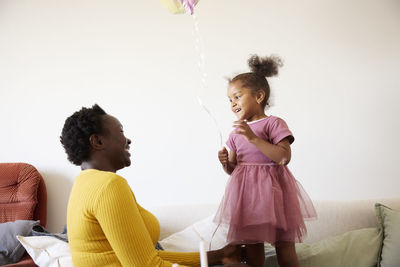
107,227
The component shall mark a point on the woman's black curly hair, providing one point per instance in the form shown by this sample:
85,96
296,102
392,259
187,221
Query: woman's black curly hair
77,130
260,69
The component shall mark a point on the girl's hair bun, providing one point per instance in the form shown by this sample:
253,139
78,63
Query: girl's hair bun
266,66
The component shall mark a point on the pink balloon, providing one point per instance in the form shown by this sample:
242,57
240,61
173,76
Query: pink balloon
188,5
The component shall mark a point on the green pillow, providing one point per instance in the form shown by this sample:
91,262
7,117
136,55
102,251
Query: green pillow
389,224
357,248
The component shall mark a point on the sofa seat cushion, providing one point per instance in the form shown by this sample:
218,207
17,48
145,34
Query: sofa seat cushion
358,248
17,211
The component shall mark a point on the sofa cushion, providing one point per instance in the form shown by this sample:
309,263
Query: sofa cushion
357,248
389,224
189,238
18,191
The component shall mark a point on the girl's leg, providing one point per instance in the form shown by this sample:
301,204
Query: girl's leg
286,254
255,255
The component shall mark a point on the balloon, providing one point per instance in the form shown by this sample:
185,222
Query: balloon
179,6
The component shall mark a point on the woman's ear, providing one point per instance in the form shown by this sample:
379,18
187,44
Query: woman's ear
260,95
96,142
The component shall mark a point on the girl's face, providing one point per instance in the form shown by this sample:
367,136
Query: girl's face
244,103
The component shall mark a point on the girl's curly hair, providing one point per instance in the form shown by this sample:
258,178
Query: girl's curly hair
77,130
260,69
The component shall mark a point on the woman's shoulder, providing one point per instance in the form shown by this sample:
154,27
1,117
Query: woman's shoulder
102,177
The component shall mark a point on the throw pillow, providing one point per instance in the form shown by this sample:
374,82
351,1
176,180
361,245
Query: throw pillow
11,250
47,250
358,248
189,238
389,224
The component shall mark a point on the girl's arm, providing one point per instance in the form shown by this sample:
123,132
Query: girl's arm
279,153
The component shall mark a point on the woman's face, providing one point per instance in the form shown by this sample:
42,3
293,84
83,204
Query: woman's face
116,145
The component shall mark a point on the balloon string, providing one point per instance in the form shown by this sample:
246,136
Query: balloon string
201,65
215,121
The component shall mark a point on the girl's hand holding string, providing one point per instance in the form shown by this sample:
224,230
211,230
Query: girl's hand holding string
223,156
228,163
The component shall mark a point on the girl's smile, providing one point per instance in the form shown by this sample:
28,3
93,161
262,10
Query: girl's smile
244,103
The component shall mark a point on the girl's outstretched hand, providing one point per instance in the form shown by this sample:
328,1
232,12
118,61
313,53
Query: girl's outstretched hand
223,156
244,129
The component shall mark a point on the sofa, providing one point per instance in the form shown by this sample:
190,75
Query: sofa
23,196
346,233
354,233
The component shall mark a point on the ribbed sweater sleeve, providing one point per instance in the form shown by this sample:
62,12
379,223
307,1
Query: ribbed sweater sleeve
184,258
118,215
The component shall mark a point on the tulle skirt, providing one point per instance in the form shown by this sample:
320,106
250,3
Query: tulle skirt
264,203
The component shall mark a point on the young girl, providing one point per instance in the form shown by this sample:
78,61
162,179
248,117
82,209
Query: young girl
263,202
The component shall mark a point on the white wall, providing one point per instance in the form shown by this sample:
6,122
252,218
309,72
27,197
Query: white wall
338,91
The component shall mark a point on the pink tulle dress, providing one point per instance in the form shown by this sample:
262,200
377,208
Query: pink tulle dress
263,202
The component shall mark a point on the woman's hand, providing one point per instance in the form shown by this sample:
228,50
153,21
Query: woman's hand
241,127
231,254
226,255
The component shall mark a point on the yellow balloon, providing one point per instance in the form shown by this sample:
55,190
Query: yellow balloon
174,6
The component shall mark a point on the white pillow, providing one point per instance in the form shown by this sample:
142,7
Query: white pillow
189,238
47,250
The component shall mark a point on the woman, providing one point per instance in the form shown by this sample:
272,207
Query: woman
106,226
